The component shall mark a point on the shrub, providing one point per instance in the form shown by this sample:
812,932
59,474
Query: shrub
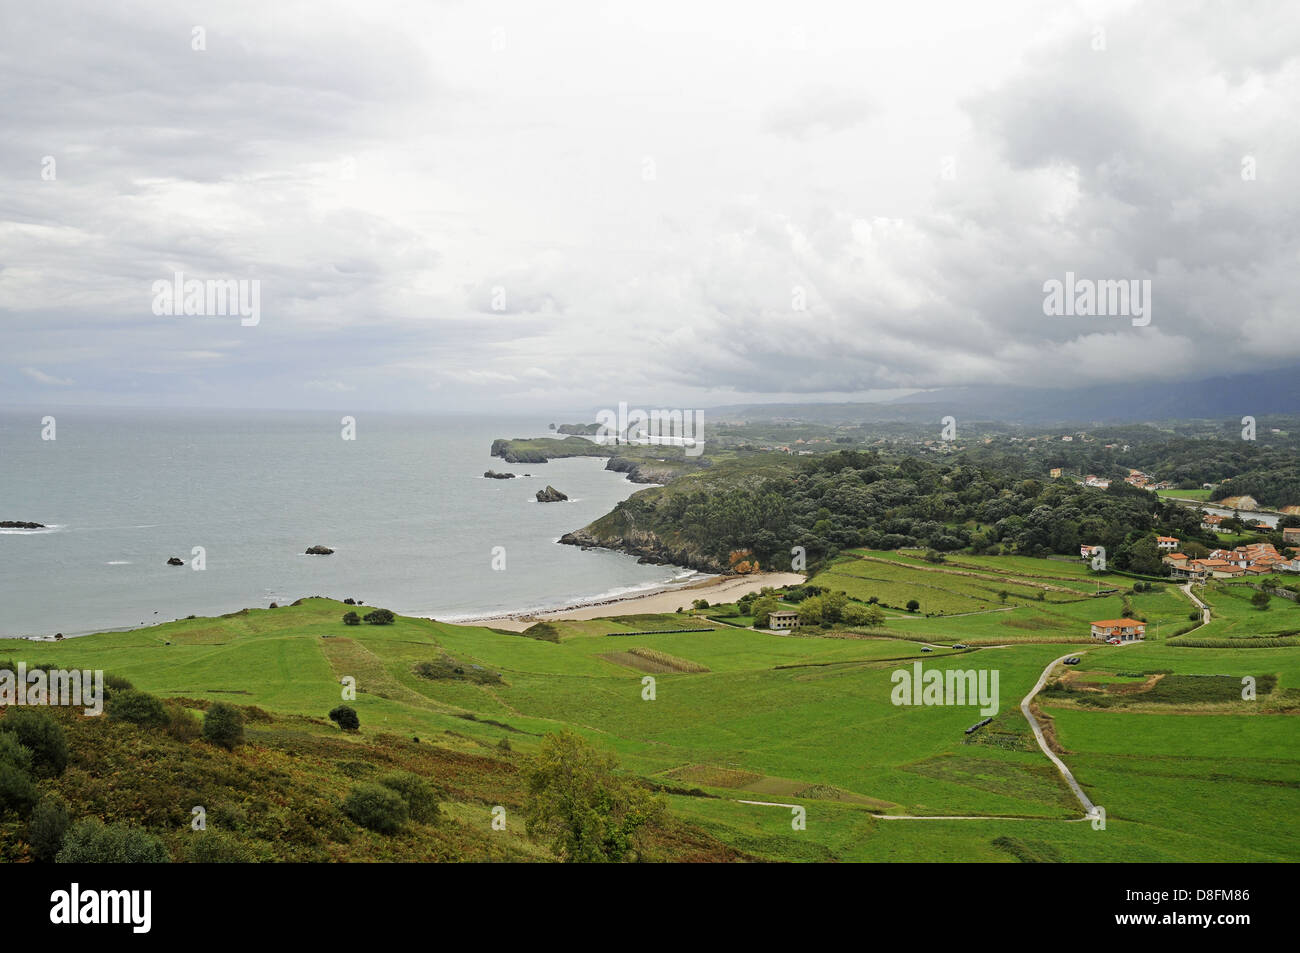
47,827
216,847
351,618
420,796
181,725
94,842
114,684
42,735
380,617
223,725
139,708
345,717
17,789
376,807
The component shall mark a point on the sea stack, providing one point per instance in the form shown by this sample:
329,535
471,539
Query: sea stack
550,495
319,551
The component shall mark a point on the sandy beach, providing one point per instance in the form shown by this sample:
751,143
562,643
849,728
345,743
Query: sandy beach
717,589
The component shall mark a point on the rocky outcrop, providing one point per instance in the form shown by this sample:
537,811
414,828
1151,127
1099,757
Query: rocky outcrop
550,495
649,471
648,548
20,524
176,561
493,475
319,551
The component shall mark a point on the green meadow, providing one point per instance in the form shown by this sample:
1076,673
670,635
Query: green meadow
806,720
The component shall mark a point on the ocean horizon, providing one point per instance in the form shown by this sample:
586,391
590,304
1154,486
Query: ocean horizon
413,523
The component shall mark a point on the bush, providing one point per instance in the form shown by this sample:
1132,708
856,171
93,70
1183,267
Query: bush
223,725
420,796
181,725
139,708
47,827
380,617
345,717
114,684
376,807
42,735
216,847
351,618
94,842
17,789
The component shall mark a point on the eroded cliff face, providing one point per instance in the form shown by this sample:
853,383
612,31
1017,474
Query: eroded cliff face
646,546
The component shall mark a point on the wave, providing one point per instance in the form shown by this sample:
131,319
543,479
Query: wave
52,528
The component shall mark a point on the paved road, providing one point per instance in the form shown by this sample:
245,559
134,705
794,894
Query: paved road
1088,806
1205,610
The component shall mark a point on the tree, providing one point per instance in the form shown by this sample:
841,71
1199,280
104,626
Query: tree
351,618
345,717
858,614
913,605
380,617
41,735
223,725
763,609
580,808
47,827
376,807
1260,600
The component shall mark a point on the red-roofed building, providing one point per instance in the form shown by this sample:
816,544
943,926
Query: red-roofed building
1126,630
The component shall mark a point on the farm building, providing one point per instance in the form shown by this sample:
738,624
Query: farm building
1126,630
783,619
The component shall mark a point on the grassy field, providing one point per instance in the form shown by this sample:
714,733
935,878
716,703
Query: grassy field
805,719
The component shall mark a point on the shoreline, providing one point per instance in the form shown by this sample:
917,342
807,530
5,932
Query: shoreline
666,599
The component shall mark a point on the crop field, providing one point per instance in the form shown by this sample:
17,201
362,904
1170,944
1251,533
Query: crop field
808,720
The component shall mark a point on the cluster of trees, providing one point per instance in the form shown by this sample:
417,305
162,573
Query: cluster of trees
855,498
817,606
374,617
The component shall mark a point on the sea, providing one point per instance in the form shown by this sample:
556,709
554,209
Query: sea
413,523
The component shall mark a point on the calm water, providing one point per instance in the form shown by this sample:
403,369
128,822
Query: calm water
405,507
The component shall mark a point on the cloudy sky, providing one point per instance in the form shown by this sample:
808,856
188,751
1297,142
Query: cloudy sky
514,205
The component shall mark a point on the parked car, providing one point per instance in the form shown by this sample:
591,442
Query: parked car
926,648
1072,660
960,645
1112,641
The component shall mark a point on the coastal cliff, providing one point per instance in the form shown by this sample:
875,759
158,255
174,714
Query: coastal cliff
648,548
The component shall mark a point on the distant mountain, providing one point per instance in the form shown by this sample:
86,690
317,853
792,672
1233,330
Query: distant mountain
1268,392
